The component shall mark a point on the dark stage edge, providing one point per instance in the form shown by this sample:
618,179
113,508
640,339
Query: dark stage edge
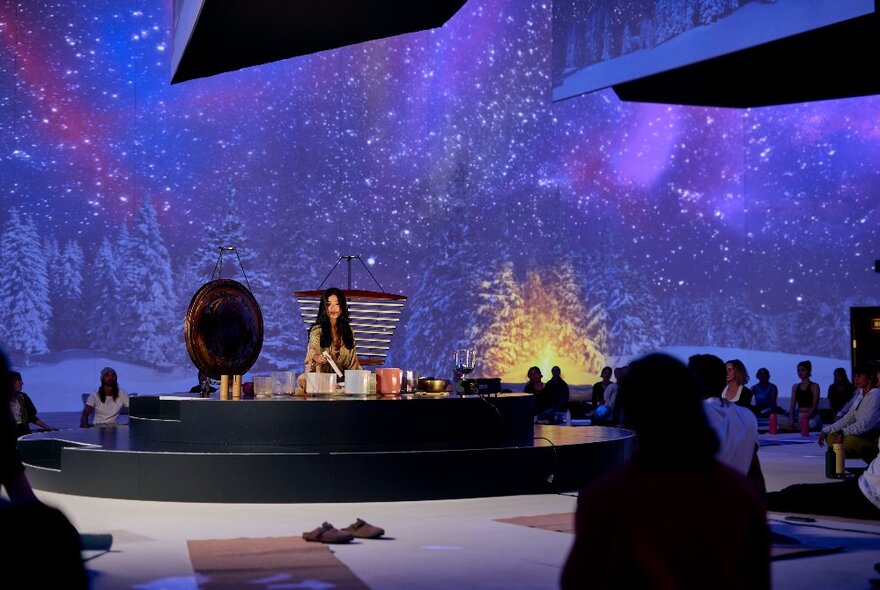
186,449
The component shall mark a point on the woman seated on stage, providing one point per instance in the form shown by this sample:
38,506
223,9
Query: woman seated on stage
332,333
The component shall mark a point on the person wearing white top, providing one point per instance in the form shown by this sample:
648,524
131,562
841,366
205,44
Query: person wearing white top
737,430
105,405
735,426
860,426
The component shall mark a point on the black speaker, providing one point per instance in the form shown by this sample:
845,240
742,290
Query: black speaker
864,334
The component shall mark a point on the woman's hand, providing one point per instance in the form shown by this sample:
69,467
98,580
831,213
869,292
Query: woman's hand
319,358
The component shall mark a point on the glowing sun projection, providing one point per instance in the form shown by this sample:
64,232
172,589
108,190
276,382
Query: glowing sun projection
541,322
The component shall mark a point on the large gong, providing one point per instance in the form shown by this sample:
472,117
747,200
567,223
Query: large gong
223,328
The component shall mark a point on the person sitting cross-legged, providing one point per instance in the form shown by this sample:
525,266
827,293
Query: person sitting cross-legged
860,426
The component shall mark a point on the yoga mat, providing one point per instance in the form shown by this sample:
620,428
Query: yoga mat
782,547
561,522
268,561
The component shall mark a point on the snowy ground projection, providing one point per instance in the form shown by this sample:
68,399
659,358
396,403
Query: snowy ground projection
576,233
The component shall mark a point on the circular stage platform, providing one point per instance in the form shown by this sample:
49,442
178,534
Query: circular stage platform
341,449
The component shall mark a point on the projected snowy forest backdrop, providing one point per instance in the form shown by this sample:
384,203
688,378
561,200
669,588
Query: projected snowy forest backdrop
573,233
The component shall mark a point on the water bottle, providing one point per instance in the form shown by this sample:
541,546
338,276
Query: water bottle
830,462
773,425
839,462
805,425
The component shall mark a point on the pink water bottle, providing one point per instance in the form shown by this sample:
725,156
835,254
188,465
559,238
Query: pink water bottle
805,425
772,424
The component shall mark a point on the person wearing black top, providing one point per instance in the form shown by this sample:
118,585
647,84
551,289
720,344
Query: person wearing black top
24,412
38,539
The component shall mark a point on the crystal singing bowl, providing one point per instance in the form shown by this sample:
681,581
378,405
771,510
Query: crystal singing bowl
431,385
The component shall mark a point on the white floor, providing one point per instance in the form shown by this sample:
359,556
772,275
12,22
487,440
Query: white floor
436,544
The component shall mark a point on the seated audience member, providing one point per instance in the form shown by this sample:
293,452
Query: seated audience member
634,526
556,389
536,387
40,541
24,412
735,426
599,387
736,391
105,405
203,385
850,498
609,412
766,394
804,401
840,391
845,408
860,426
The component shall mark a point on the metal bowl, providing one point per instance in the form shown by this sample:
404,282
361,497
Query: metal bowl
431,385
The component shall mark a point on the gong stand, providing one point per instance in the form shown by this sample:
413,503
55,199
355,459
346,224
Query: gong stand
223,329
348,258
218,268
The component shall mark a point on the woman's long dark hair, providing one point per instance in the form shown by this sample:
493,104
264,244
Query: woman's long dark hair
342,322
103,396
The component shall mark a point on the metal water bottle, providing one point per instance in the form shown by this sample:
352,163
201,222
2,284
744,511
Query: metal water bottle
830,462
839,461
773,426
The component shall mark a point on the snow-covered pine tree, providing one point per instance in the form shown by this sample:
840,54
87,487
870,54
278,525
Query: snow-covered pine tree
69,313
647,34
447,293
244,265
738,325
106,309
635,322
709,11
583,322
499,338
608,49
285,340
628,42
25,310
127,266
52,254
155,335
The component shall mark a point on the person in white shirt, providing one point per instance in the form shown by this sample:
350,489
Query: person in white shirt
104,406
860,425
735,426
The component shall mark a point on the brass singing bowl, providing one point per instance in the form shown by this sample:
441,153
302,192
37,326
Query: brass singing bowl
431,385
223,328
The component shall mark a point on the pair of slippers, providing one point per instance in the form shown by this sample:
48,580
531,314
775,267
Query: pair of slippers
326,533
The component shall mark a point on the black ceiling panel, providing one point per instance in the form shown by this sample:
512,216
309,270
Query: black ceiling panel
215,36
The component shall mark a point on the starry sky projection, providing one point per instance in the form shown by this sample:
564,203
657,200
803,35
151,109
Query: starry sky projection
377,148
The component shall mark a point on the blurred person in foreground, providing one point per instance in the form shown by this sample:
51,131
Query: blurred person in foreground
643,525
38,540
